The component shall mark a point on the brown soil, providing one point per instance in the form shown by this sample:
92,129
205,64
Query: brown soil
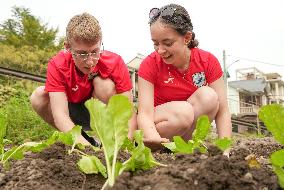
55,169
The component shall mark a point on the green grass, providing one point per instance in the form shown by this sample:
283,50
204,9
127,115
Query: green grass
23,124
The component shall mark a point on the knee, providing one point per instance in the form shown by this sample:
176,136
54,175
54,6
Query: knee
103,89
207,97
184,116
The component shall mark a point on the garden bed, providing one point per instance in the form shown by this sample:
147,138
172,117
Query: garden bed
55,169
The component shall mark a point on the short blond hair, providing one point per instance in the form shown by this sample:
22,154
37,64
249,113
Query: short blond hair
84,28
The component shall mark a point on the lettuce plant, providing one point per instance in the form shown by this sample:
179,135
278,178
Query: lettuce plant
141,156
273,118
197,142
110,124
223,143
17,152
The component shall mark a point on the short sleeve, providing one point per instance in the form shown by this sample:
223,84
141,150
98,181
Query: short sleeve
148,69
121,77
214,70
54,81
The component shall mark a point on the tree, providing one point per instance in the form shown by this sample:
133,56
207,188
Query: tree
25,29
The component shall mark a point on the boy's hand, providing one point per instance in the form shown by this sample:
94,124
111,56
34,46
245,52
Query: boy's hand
82,140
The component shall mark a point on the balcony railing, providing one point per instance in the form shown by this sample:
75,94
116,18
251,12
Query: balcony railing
249,109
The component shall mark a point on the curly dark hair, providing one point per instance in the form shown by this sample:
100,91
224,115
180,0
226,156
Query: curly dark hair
177,17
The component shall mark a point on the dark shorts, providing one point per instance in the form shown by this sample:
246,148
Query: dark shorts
79,114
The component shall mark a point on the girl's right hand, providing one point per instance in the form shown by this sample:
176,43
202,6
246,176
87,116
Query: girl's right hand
155,143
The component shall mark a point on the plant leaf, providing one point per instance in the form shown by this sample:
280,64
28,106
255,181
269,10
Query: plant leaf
69,138
203,126
111,126
182,146
277,158
141,156
171,146
280,174
273,118
223,143
91,165
120,110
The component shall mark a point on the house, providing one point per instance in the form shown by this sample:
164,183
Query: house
133,66
253,89
249,92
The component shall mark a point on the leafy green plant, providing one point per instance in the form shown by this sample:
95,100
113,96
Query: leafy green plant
111,126
223,143
17,152
110,123
273,118
141,156
202,129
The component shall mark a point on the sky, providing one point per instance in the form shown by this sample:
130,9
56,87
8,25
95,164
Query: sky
251,32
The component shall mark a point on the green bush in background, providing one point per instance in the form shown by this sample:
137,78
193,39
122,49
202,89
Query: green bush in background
26,58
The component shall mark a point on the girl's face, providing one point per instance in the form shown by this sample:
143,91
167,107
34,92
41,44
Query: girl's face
169,44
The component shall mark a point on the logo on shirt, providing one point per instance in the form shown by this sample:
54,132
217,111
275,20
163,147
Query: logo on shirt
170,80
75,88
199,79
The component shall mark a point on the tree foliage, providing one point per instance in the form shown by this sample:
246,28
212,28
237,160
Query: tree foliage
26,58
24,29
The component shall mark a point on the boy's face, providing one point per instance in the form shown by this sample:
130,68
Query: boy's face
85,55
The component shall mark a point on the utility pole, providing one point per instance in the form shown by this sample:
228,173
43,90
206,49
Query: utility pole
225,70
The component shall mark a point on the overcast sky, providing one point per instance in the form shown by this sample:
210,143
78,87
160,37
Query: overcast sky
251,31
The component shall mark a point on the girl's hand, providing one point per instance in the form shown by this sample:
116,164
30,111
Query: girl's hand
155,143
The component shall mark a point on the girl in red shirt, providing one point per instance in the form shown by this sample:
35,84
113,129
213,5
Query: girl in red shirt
178,82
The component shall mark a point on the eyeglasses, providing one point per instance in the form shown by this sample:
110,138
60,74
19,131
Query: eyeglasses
166,13
85,56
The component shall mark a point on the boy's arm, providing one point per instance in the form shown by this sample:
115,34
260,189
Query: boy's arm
60,112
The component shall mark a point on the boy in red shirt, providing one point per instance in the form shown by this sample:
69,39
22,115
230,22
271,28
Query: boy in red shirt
178,82
81,71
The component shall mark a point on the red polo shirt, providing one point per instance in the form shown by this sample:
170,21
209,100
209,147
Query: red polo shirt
62,76
172,85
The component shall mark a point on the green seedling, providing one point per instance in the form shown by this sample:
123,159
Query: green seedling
273,118
197,143
223,143
17,152
110,124
141,156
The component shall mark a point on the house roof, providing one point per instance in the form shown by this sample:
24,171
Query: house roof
136,61
272,75
253,86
